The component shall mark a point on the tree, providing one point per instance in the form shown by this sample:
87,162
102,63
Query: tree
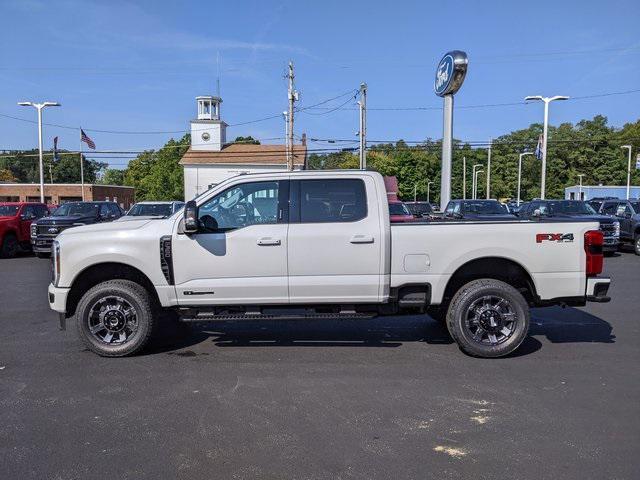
112,176
6,176
249,140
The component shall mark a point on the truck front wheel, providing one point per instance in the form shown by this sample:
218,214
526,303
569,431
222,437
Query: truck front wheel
115,318
488,318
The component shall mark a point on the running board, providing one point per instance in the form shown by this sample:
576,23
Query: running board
210,317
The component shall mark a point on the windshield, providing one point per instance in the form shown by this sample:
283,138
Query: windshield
8,210
398,209
420,208
570,207
150,209
636,206
77,210
484,208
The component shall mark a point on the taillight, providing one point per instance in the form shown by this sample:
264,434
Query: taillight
593,240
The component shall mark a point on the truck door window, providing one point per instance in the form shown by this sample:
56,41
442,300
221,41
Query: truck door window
335,200
610,208
243,205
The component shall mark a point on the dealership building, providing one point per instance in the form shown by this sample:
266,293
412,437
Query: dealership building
587,192
59,193
211,160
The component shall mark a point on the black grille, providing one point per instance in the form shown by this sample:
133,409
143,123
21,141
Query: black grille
166,258
607,229
43,230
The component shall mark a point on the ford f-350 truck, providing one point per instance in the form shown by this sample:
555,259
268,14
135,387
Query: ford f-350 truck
318,244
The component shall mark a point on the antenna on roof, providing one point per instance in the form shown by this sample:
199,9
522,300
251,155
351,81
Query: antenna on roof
218,78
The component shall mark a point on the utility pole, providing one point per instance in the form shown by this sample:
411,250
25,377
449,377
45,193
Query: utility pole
362,104
628,171
545,128
428,192
489,170
580,175
39,107
464,178
285,114
50,175
293,97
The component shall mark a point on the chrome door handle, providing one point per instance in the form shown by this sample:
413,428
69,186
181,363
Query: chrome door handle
361,239
266,241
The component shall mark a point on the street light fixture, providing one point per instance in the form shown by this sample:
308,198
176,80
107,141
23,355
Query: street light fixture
547,101
628,171
473,181
520,175
428,190
39,107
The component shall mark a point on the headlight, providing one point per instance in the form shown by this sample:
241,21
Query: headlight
34,230
616,229
55,262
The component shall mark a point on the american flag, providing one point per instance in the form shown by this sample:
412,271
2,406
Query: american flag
84,138
538,150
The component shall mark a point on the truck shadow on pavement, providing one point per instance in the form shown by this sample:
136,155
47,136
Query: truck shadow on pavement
558,325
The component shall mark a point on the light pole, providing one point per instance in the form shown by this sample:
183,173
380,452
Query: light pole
415,192
464,178
545,128
580,175
428,190
475,191
473,182
628,171
39,107
520,175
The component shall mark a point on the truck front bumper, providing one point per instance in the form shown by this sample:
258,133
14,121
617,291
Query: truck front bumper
58,298
597,289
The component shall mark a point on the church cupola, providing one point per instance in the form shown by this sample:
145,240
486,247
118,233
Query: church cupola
208,131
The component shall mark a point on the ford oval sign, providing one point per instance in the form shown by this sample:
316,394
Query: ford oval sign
450,73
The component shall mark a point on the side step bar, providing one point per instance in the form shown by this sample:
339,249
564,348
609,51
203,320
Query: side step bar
210,316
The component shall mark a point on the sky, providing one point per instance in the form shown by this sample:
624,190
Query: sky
137,66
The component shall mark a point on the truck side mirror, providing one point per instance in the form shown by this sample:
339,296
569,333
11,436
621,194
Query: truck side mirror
190,217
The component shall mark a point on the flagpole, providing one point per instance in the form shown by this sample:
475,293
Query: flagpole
81,167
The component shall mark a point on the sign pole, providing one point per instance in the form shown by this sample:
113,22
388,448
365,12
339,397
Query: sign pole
447,147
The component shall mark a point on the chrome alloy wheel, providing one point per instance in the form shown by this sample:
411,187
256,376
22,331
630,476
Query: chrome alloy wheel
112,320
490,320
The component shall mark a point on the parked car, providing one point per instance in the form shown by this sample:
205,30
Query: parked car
152,209
398,212
627,212
596,202
15,224
71,214
317,244
420,209
561,210
477,210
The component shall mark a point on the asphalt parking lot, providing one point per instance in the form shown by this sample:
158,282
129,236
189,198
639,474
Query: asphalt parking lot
386,398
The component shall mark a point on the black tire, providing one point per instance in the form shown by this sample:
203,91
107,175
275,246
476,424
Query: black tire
9,246
114,296
490,308
43,255
636,244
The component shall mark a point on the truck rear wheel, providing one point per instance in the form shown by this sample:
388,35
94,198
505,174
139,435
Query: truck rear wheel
488,318
636,244
115,318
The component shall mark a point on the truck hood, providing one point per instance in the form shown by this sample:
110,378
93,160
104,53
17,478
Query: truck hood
109,227
66,220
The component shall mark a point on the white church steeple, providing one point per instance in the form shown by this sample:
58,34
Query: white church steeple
208,131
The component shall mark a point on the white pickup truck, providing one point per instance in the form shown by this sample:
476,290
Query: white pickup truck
318,244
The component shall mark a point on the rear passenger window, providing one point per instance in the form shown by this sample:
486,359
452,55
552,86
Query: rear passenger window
610,208
337,200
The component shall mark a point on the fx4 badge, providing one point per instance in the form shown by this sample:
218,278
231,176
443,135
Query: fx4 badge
554,237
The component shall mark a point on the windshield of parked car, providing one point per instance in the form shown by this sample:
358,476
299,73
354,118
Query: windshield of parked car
150,210
420,208
8,210
77,210
484,208
398,209
636,206
570,207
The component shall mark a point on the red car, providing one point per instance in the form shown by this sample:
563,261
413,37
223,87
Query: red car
399,213
15,225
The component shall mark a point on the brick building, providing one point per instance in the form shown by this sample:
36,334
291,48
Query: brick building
59,193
